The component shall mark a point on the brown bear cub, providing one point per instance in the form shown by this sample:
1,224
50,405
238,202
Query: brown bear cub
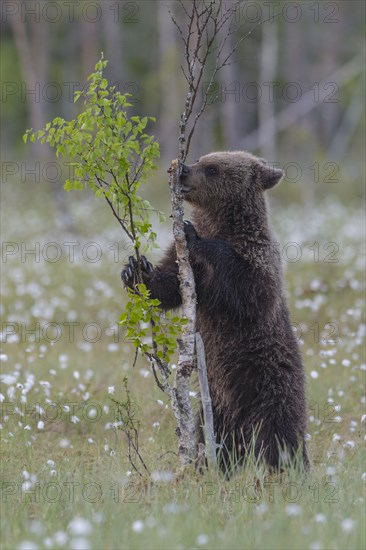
255,371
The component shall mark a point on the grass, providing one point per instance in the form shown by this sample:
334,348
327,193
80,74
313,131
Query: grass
66,478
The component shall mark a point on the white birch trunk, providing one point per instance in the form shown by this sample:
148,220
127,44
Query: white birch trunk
209,433
186,359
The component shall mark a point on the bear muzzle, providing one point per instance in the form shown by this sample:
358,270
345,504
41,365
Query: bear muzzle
185,172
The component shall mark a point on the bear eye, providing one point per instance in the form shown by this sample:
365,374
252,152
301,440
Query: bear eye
211,170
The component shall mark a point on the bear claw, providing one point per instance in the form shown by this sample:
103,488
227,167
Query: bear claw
129,273
190,231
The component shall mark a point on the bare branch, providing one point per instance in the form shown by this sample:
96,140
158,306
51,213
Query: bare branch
115,214
178,27
181,3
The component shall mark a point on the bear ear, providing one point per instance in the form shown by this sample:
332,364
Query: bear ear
270,176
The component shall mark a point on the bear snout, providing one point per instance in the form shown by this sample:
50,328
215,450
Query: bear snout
185,171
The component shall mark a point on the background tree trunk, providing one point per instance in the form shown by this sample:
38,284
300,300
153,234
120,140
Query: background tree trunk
267,73
230,101
90,46
112,39
33,71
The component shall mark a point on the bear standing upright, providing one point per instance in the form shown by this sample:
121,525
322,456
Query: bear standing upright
254,366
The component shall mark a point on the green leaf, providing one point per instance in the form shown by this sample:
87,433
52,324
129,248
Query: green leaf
113,157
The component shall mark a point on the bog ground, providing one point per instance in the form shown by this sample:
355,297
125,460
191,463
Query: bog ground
66,478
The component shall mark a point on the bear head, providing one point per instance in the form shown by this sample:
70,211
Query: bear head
235,174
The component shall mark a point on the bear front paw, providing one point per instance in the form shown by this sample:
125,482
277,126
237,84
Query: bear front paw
190,233
129,274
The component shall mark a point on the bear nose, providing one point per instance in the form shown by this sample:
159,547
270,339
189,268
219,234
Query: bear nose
185,170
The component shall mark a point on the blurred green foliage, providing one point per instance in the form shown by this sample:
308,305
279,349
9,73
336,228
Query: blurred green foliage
322,150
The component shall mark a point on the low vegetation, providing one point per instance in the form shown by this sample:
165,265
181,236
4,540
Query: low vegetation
67,481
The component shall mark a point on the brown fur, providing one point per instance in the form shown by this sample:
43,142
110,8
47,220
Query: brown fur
254,365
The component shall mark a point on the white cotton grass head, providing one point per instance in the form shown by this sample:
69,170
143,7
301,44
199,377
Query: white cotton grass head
80,527
320,518
293,510
150,522
36,527
48,542
347,525
138,526
172,508
202,539
261,508
60,538
162,477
